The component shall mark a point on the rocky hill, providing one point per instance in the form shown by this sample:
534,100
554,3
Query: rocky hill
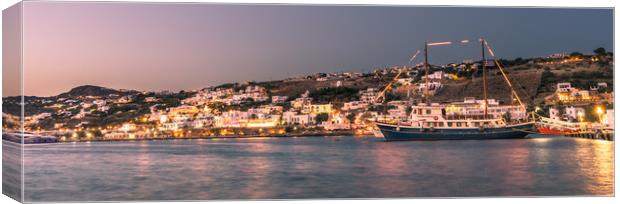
526,84
90,90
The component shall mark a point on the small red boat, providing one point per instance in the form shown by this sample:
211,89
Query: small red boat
548,126
553,131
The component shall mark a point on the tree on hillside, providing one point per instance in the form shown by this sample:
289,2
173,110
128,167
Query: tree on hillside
576,54
600,51
335,94
351,117
321,117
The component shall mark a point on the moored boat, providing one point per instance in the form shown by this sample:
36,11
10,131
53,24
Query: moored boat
28,138
434,122
550,126
396,133
476,119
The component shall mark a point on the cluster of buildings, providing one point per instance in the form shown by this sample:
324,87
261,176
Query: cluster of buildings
77,108
196,113
566,93
229,96
575,104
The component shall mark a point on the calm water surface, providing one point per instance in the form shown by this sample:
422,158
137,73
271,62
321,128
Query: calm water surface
316,167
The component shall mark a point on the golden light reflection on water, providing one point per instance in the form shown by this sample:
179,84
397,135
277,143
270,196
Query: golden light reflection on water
318,168
602,165
392,164
256,171
511,164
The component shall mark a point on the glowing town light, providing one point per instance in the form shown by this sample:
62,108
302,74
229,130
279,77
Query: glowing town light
599,110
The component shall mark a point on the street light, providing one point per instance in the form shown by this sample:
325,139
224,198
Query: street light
599,110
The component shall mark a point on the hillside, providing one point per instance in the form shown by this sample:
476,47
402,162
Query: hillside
526,84
89,90
296,88
532,82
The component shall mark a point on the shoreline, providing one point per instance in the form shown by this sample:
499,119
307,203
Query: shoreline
312,134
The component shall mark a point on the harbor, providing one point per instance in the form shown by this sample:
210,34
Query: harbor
609,136
316,167
186,102
403,108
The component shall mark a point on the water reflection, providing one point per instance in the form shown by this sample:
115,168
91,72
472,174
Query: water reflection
391,165
316,167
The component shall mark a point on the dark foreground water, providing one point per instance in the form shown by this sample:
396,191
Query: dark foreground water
316,167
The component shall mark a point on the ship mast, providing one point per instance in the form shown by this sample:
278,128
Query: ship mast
484,78
501,69
426,65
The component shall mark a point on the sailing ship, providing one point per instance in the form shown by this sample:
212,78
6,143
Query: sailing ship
434,121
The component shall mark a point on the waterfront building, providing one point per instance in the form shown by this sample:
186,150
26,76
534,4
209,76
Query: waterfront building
202,121
231,118
176,122
127,127
317,108
292,118
264,111
574,113
336,121
270,121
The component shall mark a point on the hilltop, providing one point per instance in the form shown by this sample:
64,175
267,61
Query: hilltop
90,90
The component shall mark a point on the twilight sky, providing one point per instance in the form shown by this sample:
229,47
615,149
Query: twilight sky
189,46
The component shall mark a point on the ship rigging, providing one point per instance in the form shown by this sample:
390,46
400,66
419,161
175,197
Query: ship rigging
434,121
